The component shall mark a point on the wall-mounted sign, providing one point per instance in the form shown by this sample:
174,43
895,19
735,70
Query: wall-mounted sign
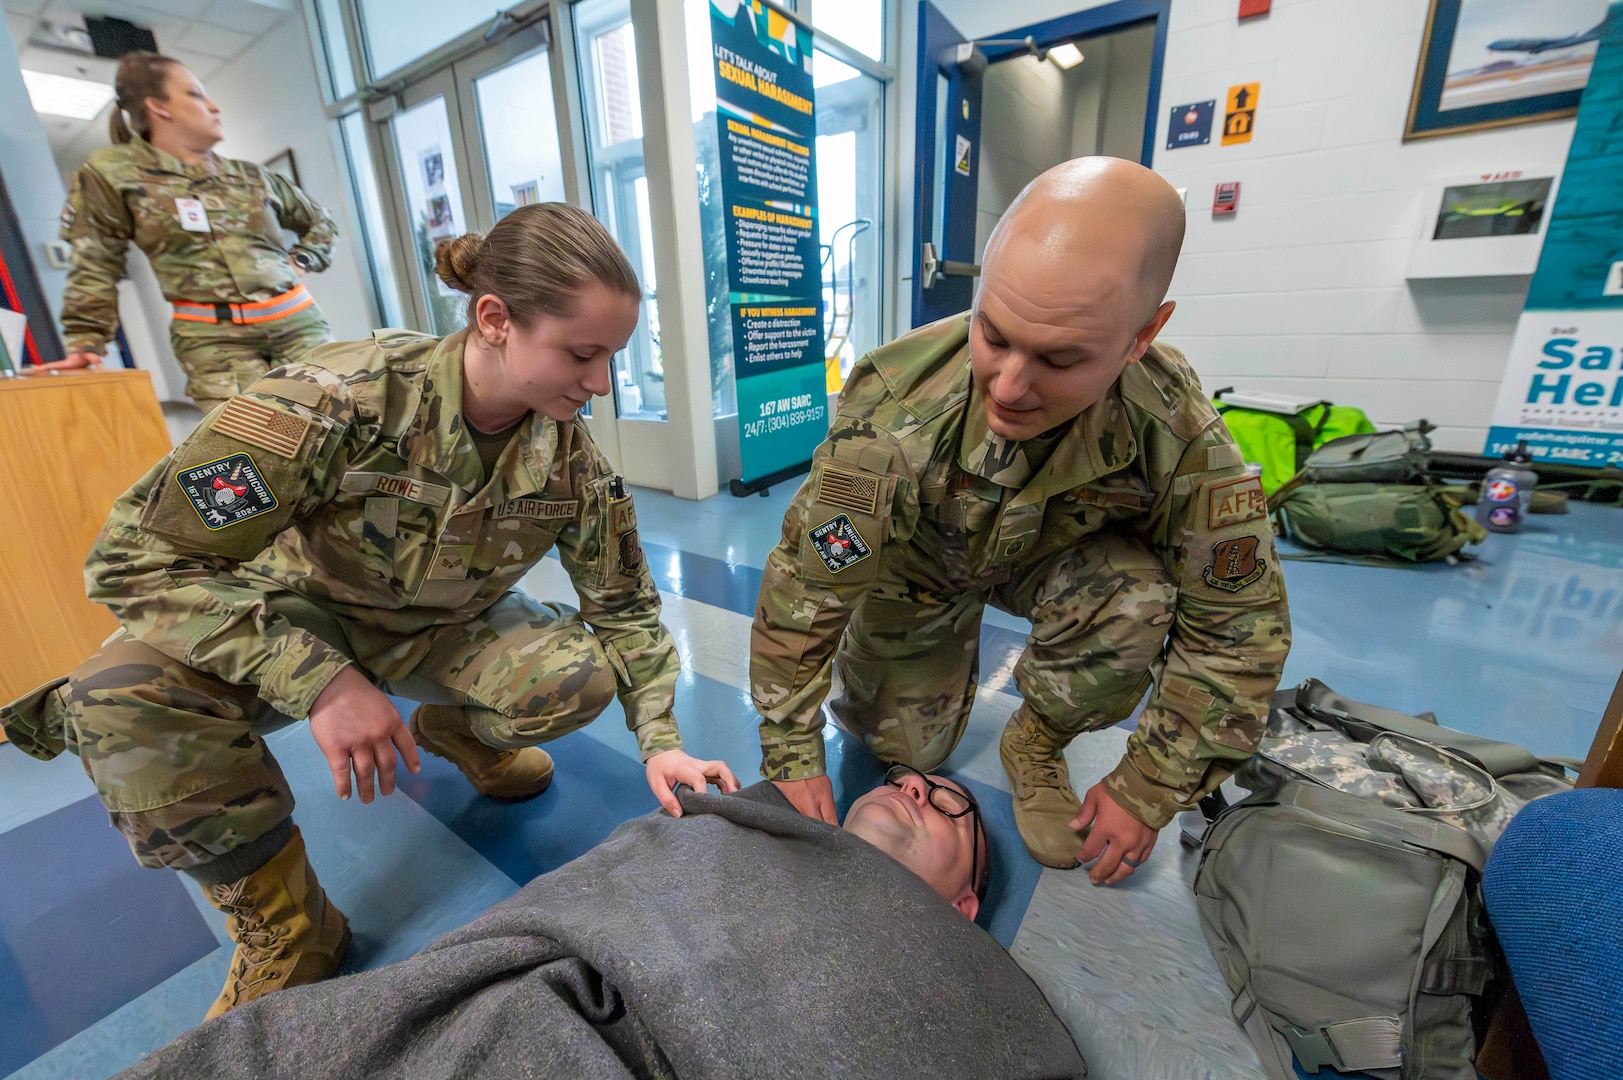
1190,125
1239,116
1226,199
767,132
960,157
1563,387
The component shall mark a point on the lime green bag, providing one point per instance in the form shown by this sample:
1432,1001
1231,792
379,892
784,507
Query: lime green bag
1281,442
1381,524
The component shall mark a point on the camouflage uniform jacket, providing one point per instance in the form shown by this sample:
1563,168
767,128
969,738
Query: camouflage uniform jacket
948,508
351,481
128,193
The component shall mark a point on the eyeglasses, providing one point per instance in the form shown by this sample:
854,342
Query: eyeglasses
949,802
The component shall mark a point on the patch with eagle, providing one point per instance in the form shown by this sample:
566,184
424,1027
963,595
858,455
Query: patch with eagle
226,491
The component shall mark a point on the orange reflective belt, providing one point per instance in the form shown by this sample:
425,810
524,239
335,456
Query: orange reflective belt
294,300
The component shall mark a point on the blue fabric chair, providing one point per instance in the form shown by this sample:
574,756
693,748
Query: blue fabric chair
1554,889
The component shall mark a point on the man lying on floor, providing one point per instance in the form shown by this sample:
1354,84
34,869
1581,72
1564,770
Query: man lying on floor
740,940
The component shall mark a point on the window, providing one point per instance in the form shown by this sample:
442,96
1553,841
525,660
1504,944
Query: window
335,43
374,230
433,191
518,130
606,46
850,177
400,31
857,23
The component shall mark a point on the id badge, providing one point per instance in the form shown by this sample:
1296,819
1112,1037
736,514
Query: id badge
193,218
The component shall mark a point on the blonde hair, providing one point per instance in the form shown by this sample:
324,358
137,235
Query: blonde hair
535,260
140,75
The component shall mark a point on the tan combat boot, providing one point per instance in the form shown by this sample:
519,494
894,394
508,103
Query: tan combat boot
287,932
1044,803
443,731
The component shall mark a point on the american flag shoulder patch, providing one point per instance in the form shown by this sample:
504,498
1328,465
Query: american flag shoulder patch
257,424
852,490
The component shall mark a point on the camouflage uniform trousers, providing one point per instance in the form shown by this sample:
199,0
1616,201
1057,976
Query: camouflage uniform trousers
221,359
906,671
179,759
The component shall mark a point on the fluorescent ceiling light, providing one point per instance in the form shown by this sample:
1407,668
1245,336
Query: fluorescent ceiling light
58,95
1066,56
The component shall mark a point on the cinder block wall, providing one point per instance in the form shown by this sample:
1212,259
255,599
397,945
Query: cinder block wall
1303,291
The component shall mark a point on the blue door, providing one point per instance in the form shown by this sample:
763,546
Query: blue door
947,164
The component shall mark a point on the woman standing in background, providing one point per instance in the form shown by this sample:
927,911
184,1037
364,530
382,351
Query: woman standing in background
211,227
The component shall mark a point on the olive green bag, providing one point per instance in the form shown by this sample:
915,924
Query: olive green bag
1342,898
1371,497
1381,524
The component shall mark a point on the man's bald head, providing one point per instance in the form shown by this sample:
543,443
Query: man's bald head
1103,210
1072,289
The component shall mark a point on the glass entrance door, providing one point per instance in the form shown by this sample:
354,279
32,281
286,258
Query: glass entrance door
428,171
469,144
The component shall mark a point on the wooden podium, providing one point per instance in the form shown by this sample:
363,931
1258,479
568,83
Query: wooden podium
69,446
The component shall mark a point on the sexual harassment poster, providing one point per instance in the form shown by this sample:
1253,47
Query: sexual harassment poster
762,60
1563,388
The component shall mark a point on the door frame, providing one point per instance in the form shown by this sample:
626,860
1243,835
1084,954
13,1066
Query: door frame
455,81
934,28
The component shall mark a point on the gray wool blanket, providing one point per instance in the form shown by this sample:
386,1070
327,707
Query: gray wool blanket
741,940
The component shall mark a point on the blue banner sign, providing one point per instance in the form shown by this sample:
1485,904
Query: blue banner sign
767,136
1562,392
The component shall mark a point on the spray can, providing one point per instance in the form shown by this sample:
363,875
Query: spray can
1506,491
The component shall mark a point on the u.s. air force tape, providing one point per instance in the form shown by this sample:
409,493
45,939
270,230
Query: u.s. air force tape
543,509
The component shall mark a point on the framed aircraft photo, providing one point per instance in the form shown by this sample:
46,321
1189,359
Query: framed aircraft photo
1489,63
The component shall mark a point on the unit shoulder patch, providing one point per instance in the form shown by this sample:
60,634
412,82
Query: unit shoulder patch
226,491
257,424
630,552
838,544
1235,564
1236,502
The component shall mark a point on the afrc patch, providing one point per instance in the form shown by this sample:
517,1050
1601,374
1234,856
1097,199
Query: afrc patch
838,543
226,491
1235,564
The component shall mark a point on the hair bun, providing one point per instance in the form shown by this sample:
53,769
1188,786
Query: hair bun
457,261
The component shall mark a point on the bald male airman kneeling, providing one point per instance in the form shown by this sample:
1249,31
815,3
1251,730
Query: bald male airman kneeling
1043,454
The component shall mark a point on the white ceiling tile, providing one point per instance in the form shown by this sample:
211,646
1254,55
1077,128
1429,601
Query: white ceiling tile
198,64
245,16
214,40
189,10
72,64
20,26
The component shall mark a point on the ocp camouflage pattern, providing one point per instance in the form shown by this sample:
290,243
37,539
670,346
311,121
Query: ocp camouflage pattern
384,522
1184,582
126,194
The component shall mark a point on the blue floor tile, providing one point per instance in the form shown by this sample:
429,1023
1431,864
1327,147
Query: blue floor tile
594,790
83,929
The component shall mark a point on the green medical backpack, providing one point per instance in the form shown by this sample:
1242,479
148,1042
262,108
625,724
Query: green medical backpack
1371,496
1280,442
1342,898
